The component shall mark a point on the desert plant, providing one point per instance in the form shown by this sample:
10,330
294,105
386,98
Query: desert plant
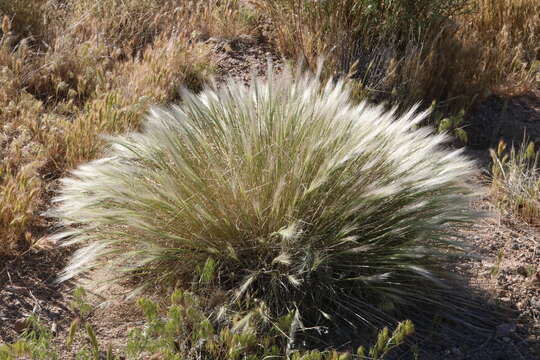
25,17
301,199
516,20
452,124
515,180
35,342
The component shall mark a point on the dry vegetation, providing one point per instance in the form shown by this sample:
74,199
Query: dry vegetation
74,70
71,71
452,51
515,181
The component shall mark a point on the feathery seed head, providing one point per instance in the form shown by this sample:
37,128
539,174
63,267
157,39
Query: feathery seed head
302,198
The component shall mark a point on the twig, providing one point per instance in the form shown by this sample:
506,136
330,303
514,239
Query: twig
9,277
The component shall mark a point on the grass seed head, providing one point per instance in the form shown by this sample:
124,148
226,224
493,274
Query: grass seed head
297,197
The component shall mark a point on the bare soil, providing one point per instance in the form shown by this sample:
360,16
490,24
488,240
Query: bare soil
509,118
28,286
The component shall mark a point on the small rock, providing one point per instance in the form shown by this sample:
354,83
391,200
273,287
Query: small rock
506,339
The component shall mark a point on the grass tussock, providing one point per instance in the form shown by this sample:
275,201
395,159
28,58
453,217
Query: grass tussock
73,71
515,181
454,52
280,192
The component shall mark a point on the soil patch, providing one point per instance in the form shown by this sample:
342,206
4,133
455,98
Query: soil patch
508,118
28,286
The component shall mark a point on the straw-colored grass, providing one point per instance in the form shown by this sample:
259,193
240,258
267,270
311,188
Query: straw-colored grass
71,72
515,181
455,52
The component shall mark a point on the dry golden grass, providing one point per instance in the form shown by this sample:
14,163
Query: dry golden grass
71,72
516,19
454,51
25,17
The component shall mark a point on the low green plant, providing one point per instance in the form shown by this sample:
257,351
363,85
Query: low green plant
531,271
185,331
495,270
452,124
301,199
79,304
36,341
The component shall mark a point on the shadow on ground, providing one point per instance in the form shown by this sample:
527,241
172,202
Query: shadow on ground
508,118
27,286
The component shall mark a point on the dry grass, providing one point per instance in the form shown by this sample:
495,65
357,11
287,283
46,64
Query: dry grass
515,181
70,72
26,17
453,51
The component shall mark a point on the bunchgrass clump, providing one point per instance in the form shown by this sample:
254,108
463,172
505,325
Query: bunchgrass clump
283,192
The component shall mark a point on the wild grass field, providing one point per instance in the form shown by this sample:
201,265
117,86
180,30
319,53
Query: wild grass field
293,208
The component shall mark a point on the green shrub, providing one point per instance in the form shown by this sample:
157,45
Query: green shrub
282,192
